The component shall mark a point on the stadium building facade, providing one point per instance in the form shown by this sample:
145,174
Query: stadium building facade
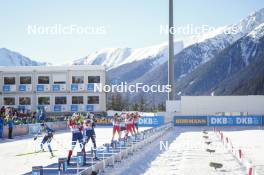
55,88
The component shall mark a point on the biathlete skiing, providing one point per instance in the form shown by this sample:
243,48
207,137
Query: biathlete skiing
129,125
116,126
136,119
123,122
47,137
76,126
89,133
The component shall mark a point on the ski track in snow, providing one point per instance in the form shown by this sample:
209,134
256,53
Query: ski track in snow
141,160
186,154
10,164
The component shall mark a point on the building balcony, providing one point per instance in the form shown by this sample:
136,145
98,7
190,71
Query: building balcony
9,88
59,87
77,87
25,87
60,108
43,87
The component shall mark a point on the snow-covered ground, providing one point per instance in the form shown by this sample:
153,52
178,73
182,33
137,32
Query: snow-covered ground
251,142
187,155
11,164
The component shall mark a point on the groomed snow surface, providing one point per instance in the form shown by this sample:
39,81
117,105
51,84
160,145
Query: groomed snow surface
186,153
251,142
11,164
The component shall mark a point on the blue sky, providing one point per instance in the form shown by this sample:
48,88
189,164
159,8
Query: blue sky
127,23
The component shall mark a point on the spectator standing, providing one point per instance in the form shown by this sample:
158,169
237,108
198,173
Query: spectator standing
2,110
1,126
10,123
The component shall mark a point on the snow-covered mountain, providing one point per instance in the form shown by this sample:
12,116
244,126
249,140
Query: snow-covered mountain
10,58
237,70
209,44
139,65
113,57
203,51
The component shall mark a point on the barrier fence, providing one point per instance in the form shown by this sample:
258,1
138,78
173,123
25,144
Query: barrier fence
218,120
27,129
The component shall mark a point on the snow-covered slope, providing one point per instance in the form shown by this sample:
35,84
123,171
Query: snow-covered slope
257,33
222,37
249,43
237,70
197,50
193,58
114,57
10,58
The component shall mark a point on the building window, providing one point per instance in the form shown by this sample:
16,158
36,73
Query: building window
24,101
60,100
77,79
44,100
59,79
43,80
9,101
93,100
93,79
77,100
25,80
9,80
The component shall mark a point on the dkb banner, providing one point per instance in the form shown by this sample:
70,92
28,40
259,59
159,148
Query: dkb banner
150,121
190,121
235,120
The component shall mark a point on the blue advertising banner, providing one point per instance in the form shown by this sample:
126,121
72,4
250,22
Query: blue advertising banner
74,87
56,87
21,107
22,88
6,88
190,121
151,121
57,108
148,121
40,87
89,108
74,108
90,87
234,120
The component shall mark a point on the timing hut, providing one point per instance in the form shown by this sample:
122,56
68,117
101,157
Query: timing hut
57,88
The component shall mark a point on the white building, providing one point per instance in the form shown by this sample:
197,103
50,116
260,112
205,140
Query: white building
57,88
218,105
215,105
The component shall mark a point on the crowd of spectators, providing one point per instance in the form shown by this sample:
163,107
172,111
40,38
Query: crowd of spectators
11,116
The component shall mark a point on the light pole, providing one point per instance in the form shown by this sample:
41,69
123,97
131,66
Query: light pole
171,53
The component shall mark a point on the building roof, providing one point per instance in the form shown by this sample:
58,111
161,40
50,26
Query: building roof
50,68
